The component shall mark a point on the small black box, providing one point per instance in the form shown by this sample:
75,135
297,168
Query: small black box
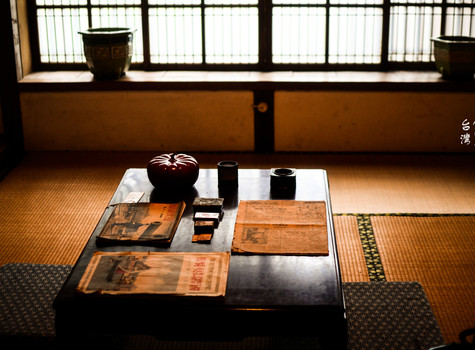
213,205
204,227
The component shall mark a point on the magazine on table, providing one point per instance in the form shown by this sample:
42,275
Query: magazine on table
137,223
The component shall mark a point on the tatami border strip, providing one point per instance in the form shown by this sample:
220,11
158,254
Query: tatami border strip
368,241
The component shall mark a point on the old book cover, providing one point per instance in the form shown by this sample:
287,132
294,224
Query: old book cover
283,227
161,273
135,223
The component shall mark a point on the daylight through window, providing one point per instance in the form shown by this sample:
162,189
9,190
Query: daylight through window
266,34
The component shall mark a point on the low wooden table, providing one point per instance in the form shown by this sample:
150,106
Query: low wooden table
266,295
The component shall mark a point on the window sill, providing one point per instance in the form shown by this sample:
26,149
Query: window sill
200,80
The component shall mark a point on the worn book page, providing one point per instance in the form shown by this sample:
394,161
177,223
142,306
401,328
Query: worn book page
162,273
283,227
142,222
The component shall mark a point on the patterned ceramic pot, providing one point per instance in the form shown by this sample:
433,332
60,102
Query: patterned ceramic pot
455,56
108,51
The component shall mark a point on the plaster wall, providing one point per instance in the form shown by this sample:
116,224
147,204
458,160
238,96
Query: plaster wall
372,121
334,121
138,121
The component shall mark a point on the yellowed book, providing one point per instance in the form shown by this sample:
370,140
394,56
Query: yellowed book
142,223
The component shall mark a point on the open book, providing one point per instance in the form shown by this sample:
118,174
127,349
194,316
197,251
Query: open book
137,223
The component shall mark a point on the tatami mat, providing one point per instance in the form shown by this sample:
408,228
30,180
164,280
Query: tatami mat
48,211
51,202
439,252
350,251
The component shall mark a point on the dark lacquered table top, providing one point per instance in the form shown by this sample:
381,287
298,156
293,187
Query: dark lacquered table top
255,282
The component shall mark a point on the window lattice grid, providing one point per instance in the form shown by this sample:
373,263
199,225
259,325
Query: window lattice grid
231,35
355,35
461,2
416,2
460,21
299,31
208,32
58,33
59,22
175,35
298,35
224,32
411,28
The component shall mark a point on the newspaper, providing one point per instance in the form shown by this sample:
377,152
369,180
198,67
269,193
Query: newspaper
284,227
161,273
